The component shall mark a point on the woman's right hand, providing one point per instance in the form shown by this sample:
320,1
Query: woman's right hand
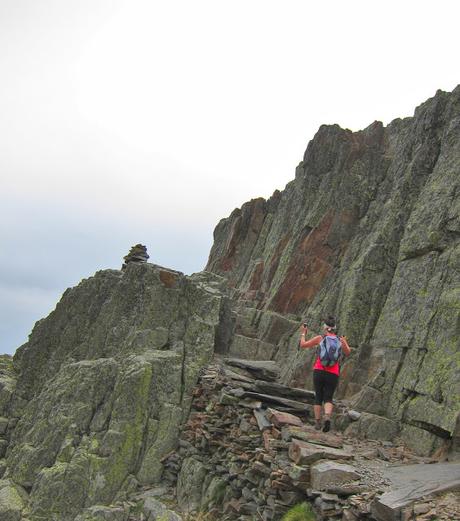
346,347
303,329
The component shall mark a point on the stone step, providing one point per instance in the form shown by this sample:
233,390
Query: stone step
280,419
261,369
272,399
309,434
305,453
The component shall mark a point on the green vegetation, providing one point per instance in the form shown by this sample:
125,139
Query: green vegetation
199,516
300,512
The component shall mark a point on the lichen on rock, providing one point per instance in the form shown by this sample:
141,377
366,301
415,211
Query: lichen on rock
104,384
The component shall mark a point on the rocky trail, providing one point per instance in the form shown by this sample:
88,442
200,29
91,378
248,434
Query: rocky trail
249,451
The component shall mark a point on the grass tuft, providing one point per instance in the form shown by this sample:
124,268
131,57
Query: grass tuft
300,512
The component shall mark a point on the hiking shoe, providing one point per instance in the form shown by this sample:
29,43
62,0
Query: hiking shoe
327,426
318,425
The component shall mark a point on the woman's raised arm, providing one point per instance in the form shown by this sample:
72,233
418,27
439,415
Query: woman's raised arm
306,344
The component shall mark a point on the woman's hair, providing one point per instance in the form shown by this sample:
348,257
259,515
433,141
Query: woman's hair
330,322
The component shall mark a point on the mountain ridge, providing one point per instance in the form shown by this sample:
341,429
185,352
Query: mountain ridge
93,404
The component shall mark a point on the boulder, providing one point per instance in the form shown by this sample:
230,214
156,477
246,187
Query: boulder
214,493
410,483
305,453
104,384
279,419
190,484
13,500
154,510
328,474
373,427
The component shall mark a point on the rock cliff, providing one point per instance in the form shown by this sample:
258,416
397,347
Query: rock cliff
96,397
369,231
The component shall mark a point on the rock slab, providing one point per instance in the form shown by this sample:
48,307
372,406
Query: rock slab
412,482
327,474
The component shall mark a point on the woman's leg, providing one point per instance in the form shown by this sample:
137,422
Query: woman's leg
317,410
318,383
328,406
331,381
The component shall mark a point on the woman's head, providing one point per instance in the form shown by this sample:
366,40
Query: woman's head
330,324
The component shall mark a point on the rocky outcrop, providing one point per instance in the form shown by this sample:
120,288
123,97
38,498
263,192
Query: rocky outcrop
240,460
368,230
103,386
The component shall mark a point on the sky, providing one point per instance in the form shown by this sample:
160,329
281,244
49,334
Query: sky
149,121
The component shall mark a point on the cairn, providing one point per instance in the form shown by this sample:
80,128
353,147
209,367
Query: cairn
137,254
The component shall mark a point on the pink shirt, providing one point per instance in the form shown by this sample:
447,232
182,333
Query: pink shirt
335,369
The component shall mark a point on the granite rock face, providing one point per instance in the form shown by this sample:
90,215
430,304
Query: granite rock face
369,231
102,388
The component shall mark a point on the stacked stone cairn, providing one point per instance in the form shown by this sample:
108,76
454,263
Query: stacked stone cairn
137,254
248,451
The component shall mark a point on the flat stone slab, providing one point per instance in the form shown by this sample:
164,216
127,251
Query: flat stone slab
305,453
271,399
327,474
412,482
237,376
309,434
283,390
262,369
282,418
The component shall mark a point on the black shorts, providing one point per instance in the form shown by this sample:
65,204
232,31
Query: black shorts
325,384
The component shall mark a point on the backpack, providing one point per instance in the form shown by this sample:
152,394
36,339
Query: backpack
329,350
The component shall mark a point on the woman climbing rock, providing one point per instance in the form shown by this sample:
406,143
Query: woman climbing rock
326,369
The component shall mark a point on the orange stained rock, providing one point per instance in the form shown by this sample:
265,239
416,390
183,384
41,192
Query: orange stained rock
168,278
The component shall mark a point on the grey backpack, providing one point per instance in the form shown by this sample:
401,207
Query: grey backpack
329,350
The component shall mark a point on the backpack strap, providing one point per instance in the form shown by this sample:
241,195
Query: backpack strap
318,347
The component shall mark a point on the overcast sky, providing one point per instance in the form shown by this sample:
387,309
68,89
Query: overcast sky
149,121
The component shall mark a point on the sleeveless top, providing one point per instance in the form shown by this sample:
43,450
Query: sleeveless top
334,369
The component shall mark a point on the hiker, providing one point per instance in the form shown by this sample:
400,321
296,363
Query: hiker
326,369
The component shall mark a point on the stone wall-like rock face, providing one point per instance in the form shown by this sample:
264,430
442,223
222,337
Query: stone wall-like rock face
369,231
103,385
241,459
